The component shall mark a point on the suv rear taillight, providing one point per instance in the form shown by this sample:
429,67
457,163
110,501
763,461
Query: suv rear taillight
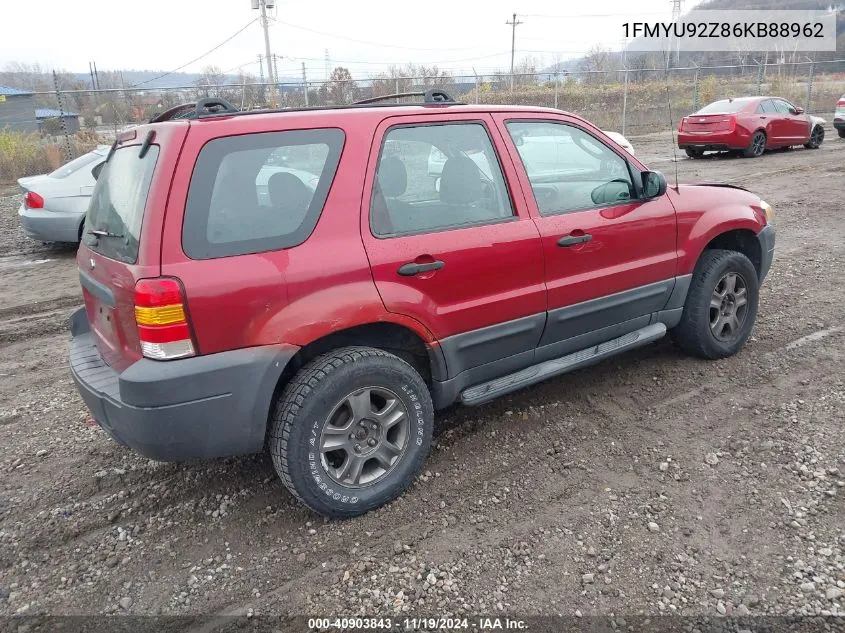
163,327
33,201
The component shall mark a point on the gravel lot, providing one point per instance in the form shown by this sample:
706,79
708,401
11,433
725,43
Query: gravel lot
650,484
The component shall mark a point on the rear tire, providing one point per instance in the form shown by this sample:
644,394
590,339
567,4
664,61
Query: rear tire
816,138
694,153
351,430
841,133
756,146
721,305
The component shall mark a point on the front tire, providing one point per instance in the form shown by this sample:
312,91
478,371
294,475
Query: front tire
721,305
816,138
351,430
756,146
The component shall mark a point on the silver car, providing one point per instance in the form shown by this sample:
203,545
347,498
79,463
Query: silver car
54,204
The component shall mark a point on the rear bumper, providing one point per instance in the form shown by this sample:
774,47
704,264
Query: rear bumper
766,238
50,226
208,406
713,141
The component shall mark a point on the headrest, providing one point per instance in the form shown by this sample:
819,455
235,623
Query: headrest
286,189
392,177
460,181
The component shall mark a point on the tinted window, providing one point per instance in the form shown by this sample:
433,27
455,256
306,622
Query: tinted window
259,192
725,106
766,107
75,165
568,168
436,177
117,204
782,106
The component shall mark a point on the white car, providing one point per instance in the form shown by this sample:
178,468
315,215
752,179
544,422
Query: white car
54,204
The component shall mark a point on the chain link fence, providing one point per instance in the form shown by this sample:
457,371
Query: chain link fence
632,101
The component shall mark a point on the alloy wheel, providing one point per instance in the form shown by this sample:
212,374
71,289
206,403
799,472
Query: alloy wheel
364,437
728,307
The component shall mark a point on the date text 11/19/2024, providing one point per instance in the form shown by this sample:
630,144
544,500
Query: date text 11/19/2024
418,624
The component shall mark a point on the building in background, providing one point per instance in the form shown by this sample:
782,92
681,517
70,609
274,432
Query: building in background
17,110
50,121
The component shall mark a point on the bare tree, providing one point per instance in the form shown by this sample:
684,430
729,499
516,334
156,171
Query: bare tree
341,88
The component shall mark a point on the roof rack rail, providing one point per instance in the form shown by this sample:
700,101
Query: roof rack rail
214,107
432,95
202,108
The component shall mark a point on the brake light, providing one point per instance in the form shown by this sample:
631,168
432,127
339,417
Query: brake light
731,123
33,201
163,327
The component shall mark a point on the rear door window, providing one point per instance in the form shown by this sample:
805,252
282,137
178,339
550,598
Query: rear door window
767,106
259,192
116,210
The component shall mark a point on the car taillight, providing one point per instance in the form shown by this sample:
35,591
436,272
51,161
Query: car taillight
731,123
163,327
681,125
33,201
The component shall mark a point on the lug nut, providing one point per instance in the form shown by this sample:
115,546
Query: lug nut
371,442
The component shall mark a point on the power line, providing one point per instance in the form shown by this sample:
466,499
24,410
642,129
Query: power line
368,43
176,70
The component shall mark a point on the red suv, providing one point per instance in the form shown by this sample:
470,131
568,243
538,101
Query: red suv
299,281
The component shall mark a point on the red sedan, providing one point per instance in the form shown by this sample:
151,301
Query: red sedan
750,125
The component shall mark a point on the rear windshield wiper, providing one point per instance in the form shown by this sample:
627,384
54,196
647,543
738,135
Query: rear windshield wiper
102,233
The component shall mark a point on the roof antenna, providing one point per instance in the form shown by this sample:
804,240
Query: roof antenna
672,130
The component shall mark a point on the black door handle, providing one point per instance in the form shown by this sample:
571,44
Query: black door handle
572,240
413,268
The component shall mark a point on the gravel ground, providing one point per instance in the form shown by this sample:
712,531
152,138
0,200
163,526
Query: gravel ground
650,484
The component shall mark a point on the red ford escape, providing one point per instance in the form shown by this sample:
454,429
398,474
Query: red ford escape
298,280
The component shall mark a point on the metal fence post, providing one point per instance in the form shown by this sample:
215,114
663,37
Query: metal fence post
557,87
810,87
476,89
624,100
62,123
760,69
695,90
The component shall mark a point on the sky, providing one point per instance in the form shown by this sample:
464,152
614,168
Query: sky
364,37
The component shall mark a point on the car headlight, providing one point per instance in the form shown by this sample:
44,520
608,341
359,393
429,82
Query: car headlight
767,209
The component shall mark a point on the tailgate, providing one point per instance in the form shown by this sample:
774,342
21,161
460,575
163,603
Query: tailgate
122,235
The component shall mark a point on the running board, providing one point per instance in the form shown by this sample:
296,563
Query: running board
486,391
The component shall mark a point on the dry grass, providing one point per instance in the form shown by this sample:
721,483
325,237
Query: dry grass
647,108
27,153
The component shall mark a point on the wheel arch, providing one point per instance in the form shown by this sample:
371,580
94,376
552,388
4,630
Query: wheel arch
742,240
398,339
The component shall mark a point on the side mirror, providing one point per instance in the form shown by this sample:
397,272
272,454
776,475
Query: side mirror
654,184
797,110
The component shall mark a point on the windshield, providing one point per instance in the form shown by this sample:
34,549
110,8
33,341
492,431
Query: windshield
117,204
725,106
75,165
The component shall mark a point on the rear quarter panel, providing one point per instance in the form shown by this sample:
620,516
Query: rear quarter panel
705,212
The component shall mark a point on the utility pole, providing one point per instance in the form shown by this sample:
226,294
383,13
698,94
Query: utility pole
513,24
265,22
96,75
676,15
91,72
304,84
276,68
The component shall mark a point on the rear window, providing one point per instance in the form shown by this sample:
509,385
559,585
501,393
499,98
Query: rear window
117,204
259,192
75,165
725,106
